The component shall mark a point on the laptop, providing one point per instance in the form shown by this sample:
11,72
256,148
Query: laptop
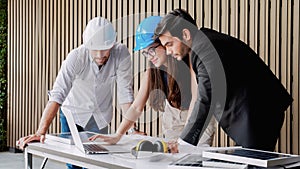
87,146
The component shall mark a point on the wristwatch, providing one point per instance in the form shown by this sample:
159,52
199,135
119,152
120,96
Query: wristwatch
132,130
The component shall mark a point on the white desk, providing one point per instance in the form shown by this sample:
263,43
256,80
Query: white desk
70,154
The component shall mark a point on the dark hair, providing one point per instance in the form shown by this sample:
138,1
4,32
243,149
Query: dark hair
178,91
174,22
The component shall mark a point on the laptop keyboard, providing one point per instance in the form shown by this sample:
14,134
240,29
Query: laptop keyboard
94,147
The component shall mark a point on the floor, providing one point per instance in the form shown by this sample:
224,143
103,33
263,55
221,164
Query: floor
10,160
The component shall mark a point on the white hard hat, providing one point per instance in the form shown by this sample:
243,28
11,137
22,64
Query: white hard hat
99,34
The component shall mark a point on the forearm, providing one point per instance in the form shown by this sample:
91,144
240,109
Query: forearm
195,124
197,120
124,126
194,93
128,121
192,104
136,108
125,108
48,115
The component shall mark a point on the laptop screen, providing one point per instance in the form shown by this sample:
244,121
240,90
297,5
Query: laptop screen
73,129
81,140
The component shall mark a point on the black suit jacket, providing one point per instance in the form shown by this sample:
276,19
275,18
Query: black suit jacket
237,87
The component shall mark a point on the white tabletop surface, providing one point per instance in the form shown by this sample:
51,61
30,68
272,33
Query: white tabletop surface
70,154
67,153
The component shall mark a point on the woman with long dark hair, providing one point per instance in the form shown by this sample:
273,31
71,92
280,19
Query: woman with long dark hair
168,84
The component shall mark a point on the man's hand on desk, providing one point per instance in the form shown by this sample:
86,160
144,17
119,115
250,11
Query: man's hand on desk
111,139
22,142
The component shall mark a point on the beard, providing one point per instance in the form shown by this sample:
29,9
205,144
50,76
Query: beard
101,61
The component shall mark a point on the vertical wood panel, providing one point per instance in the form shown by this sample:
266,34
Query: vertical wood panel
243,20
176,4
46,54
21,73
233,19
284,139
26,68
207,14
79,24
272,36
66,26
16,73
215,15
40,58
9,62
191,8
262,29
56,53
29,69
71,25
34,54
224,16
252,24
94,9
293,7
75,25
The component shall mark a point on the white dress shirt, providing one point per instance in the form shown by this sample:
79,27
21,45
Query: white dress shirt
85,90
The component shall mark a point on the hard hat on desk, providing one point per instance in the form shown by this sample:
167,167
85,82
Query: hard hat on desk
145,32
99,34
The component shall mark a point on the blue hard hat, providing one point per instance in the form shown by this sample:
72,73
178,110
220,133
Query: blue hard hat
145,32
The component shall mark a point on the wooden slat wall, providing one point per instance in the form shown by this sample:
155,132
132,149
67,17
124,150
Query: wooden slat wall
41,33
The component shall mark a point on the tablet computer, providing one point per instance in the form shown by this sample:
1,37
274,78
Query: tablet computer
252,157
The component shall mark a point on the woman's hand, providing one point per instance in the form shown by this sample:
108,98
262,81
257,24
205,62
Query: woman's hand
111,139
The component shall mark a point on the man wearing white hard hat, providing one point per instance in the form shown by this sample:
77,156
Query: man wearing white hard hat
84,84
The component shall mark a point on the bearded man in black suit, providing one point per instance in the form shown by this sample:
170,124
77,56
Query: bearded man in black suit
234,84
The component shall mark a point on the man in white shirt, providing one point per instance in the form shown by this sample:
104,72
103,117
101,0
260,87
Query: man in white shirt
84,84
